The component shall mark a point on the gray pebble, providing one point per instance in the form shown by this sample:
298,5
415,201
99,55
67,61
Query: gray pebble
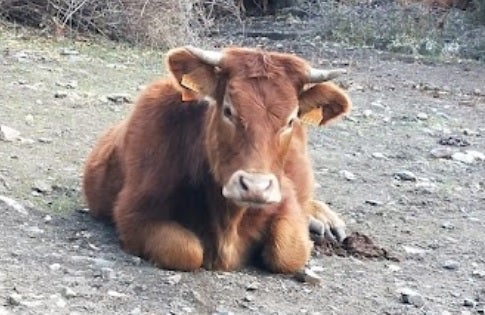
347,175
447,225
8,134
68,293
14,299
103,263
451,264
409,296
107,273
405,175
442,153
422,116
469,303
308,276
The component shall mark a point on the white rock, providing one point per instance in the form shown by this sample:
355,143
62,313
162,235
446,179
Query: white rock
367,113
409,296
476,155
115,294
55,267
414,250
442,152
68,293
15,205
347,175
379,156
8,134
308,276
463,157
422,116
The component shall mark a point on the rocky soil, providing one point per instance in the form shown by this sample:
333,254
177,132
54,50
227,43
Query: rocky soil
407,168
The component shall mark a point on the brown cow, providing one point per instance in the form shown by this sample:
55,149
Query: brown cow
211,167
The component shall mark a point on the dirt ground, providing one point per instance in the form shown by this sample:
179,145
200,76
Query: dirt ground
387,169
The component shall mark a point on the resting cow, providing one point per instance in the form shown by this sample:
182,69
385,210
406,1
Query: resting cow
211,168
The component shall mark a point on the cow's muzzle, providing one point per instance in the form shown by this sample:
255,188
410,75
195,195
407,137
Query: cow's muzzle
252,189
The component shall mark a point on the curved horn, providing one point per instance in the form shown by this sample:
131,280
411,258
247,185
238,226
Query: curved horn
210,57
320,75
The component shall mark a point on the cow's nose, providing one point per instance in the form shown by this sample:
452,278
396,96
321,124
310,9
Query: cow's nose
253,188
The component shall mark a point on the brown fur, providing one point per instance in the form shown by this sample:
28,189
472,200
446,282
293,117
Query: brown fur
159,174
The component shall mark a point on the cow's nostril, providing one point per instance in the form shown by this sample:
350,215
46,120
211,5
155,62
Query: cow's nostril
242,183
270,183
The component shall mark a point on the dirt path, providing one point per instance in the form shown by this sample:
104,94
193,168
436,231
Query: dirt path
375,168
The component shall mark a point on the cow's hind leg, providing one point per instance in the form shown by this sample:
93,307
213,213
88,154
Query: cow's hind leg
287,247
325,222
166,244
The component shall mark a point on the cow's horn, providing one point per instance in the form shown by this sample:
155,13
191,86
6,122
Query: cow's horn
210,57
320,75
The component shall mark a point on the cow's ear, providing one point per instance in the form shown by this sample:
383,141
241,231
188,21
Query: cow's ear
323,103
193,77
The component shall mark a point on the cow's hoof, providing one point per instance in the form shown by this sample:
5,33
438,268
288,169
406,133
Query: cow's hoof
324,222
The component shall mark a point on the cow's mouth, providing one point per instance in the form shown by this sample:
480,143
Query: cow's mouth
254,190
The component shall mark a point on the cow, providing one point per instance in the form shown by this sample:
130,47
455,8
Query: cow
211,169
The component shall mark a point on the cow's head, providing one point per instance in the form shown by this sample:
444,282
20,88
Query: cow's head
258,98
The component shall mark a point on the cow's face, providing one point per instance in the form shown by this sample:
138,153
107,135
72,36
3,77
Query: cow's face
257,100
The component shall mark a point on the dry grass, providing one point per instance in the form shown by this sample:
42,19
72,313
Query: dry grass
157,23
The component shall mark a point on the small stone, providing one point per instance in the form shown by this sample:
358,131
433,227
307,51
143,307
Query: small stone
135,311
108,273
463,157
29,119
447,225
373,202
478,156
367,113
248,298
442,153
14,299
477,92
478,273
67,85
393,268
410,250
45,140
61,303
116,294
175,279
55,267
8,134
136,260
451,264
379,156
42,186
308,276
253,286
409,296
469,103
405,176
119,98
347,175
422,116
13,204
469,303
47,218
60,94
68,52
68,293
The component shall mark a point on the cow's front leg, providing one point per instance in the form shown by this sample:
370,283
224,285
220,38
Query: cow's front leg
324,222
287,247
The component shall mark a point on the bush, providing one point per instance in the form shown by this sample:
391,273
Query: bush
158,23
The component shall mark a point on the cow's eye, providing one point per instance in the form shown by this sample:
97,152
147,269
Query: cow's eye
227,112
291,122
